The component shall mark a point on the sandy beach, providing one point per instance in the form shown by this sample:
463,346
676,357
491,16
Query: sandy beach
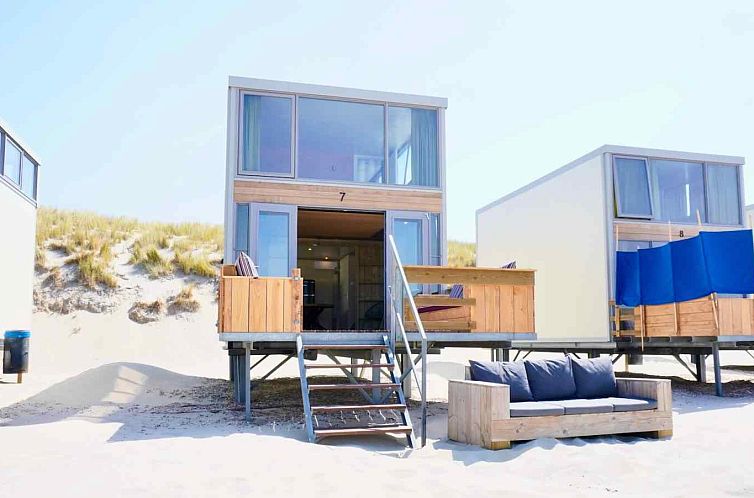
116,408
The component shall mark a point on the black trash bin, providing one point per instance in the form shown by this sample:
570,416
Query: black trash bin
16,352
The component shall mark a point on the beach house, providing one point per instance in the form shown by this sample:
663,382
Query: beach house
570,224
338,196
19,168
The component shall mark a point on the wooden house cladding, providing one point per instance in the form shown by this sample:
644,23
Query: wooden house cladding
337,196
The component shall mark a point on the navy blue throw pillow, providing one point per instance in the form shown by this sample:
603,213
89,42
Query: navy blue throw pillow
551,379
594,378
511,373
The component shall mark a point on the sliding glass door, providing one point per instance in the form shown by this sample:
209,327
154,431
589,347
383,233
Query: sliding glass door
417,238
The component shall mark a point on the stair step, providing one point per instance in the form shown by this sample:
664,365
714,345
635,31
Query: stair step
389,366
346,346
363,431
327,387
338,408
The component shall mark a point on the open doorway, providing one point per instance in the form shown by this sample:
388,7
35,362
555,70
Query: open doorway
341,256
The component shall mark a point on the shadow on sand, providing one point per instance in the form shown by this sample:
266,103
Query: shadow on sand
149,403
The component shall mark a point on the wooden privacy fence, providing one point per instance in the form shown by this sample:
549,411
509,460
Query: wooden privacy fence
704,317
264,304
494,299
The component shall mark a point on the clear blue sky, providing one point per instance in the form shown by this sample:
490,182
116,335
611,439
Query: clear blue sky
125,102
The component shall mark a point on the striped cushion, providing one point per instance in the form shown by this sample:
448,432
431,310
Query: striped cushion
456,291
509,266
245,266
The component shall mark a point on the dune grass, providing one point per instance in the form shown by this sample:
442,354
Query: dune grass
184,301
162,249
461,254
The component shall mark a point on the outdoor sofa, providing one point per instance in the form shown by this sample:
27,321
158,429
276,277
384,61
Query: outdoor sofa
558,398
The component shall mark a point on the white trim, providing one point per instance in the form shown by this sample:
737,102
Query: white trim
19,141
620,150
334,91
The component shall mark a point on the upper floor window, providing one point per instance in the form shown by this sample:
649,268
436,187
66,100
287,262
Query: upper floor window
632,188
29,177
723,194
267,135
12,161
413,146
340,140
677,191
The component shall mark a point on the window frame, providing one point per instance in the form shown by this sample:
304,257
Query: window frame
384,106
616,189
21,175
239,166
739,197
21,154
294,174
649,169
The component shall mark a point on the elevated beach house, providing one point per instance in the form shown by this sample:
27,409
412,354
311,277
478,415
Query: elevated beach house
18,214
338,196
572,225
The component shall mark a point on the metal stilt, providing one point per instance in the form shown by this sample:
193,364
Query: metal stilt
716,362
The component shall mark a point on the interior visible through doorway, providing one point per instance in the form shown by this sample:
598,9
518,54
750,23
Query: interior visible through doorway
341,256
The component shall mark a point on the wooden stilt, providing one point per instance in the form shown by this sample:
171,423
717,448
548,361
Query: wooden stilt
20,377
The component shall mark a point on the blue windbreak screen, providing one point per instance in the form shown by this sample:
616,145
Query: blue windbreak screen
687,269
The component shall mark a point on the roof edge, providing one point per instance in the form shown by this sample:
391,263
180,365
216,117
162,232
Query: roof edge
335,91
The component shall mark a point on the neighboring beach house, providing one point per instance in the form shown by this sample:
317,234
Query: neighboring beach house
569,224
19,168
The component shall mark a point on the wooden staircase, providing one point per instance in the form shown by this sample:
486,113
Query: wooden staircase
384,410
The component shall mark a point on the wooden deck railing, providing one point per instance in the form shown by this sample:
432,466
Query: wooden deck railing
494,299
708,316
264,304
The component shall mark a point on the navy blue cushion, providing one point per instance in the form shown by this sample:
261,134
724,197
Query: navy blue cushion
511,373
551,379
594,378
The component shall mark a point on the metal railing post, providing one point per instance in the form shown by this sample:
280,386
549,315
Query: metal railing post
397,323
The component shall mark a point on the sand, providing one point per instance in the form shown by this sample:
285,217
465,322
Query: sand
114,408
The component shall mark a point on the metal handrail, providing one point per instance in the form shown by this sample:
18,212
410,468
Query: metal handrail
397,324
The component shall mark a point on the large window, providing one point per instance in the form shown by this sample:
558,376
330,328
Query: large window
341,141
723,196
678,191
412,149
12,162
266,135
29,177
632,188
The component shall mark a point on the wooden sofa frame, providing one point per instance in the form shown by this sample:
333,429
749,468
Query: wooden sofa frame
479,414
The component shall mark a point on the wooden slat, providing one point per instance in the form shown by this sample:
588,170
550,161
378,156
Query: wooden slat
478,312
239,320
452,275
506,309
287,315
297,301
424,300
227,289
258,305
460,325
659,231
356,197
455,313
523,308
492,305
275,298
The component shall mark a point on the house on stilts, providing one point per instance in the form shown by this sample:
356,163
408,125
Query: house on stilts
338,196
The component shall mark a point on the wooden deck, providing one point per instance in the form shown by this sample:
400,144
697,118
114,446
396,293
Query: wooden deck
494,299
710,316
